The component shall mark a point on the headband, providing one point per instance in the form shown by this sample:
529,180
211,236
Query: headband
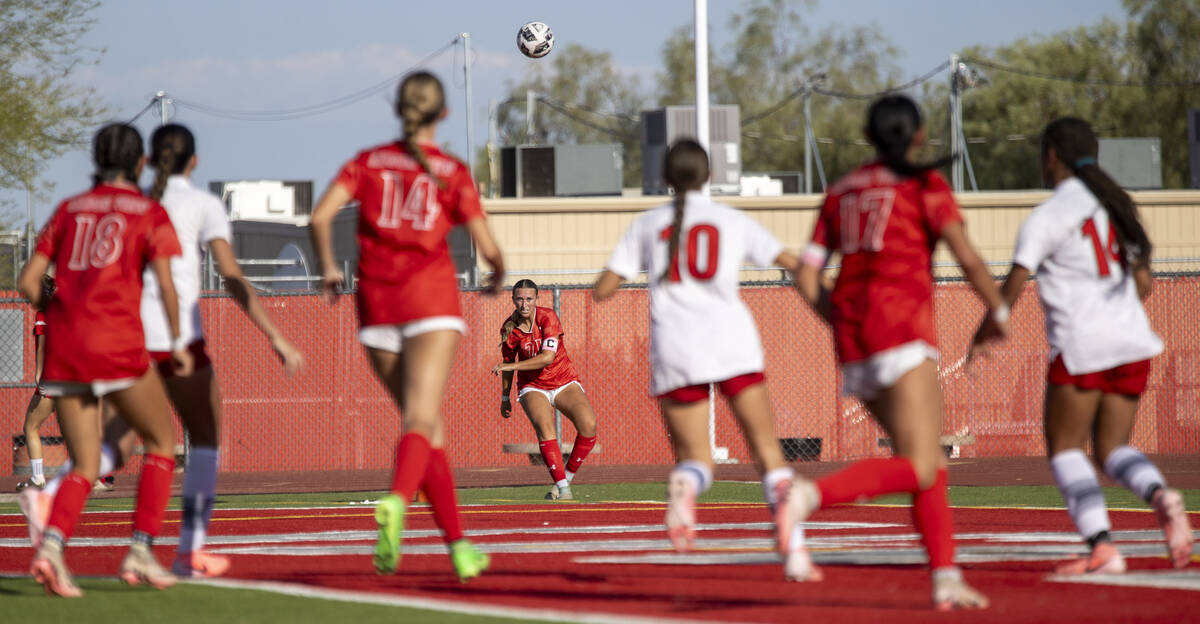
1086,160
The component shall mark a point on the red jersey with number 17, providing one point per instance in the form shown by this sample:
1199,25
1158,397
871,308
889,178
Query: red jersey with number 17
545,334
404,266
100,242
886,228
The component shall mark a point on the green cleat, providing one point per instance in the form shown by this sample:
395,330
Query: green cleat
389,515
469,562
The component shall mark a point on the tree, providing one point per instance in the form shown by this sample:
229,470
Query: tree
584,98
42,113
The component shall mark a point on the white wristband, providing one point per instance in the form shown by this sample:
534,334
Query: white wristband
1001,314
178,344
505,399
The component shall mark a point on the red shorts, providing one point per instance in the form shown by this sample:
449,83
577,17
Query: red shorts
1129,379
162,359
730,388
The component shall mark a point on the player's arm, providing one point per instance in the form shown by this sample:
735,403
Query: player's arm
808,280
321,231
537,362
506,379
30,281
170,300
39,358
1143,279
242,292
606,285
486,245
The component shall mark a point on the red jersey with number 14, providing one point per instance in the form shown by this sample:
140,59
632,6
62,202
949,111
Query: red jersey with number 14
886,228
546,334
404,266
100,242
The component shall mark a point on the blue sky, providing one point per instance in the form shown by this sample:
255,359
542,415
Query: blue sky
276,54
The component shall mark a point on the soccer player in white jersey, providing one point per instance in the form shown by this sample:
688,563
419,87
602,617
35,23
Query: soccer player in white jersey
701,332
1092,259
199,220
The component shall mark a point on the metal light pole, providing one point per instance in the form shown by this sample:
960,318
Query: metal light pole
28,220
701,52
163,101
956,142
466,38
530,99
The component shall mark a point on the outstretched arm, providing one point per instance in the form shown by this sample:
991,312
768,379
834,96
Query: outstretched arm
486,245
606,285
243,293
321,230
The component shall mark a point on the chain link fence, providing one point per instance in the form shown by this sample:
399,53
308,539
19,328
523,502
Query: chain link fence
336,416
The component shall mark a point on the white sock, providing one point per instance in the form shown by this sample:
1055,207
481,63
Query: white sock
570,476
562,483
1129,467
771,481
199,489
1076,479
35,467
108,463
698,473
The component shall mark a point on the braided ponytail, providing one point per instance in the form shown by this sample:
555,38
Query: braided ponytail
171,147
892,122
1076,146
420,100
685,168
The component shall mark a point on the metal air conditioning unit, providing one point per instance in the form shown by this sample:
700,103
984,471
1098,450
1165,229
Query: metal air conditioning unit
560,170
663,126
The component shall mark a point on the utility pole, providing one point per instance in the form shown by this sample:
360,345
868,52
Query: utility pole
530,100
701,52
163,102
466,38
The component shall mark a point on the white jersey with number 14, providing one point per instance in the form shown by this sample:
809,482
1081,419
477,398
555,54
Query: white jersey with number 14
1094,318
700,329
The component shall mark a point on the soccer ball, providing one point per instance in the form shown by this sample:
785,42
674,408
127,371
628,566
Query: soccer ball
535,40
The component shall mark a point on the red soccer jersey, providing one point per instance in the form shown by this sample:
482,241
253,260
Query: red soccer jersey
545,335
101,241
404,266
39,323
886,228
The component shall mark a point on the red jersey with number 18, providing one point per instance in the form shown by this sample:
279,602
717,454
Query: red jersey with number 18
886,228
100,242
404,267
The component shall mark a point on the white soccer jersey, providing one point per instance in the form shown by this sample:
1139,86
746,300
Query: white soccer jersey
1094,318
700,329
199,218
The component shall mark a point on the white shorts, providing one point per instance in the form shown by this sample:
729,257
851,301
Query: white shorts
96,388
550,395
391,337
864,379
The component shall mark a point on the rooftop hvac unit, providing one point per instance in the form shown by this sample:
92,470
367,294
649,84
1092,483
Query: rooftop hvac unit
264,199
560,170
664,126
1133,163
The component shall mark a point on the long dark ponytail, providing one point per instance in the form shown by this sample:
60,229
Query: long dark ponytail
685,168
116,151
171,147
892,122
1076,146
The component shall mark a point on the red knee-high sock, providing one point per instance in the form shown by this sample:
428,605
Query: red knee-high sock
68,504
154,490
553,456
867,479
583,446
438,486
933,519
412,458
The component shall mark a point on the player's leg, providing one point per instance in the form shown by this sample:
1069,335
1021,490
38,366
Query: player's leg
1132,469
1070,415
541,415
687,422
438,486
144,406
77,418
575,406
197,400
36,413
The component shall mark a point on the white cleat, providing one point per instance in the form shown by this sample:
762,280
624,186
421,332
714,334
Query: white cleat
32,482
798,566
1168,508
140,566
951,592
681,513
795,501
560,493
49,569
35,505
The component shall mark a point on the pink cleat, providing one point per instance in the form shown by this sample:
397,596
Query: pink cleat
200,564
35,505
951,592
1104,559
1168,508
681,513
49,569
795,500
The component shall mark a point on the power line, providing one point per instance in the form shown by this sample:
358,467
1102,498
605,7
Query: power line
1151,84
149,106
565,110
312,109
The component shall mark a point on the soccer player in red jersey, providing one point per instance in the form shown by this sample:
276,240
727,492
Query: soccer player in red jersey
1092,258
885,218
40,405
410,194
533,348
100,242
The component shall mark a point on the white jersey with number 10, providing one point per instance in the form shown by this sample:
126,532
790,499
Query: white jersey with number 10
700,329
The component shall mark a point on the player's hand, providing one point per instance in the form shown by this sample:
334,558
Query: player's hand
505,406
991,330
495,282
502,367
287,352
181,362
331,281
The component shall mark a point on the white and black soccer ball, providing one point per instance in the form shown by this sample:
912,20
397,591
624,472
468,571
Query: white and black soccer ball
535,39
